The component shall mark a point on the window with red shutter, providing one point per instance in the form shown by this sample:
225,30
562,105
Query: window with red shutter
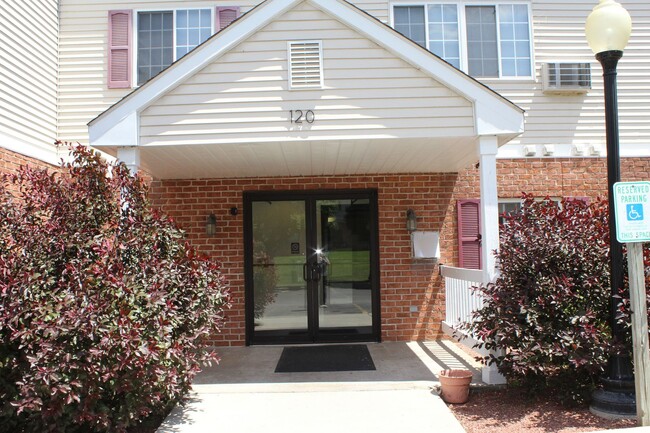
119,49
163,37
469,233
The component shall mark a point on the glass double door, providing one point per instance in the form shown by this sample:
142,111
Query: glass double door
311,267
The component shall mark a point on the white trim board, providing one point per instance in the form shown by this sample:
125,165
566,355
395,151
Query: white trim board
45,153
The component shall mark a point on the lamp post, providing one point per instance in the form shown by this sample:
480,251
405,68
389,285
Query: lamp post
608,29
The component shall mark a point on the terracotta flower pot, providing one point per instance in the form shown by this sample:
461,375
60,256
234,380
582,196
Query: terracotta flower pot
454,385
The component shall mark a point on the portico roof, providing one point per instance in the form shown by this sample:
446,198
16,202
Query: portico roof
224,109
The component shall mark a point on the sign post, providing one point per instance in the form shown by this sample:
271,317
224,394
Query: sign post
632,213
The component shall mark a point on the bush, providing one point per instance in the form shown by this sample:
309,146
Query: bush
102,302
548,310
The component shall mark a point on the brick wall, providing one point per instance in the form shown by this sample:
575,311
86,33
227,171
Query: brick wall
562,177
10,162
404,283
557,177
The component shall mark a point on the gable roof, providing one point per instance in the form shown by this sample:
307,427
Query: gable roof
494,115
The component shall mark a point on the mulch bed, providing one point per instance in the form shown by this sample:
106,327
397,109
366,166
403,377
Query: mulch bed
510,410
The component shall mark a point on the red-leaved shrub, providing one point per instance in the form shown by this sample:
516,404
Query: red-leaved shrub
548,310
103,304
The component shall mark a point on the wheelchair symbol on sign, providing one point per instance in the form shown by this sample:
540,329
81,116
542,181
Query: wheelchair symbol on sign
632,213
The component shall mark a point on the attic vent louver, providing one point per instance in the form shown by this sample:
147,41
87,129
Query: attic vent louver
305,64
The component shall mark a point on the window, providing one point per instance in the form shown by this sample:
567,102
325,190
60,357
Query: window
482,51
166,36
443,32
192,28
409,21
514,32
512,206
161,37
508,207
495,41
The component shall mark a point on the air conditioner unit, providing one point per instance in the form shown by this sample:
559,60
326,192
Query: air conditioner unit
567,78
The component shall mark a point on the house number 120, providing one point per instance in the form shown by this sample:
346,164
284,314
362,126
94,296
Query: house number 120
300,116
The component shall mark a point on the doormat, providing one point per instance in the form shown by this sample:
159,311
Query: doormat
310,359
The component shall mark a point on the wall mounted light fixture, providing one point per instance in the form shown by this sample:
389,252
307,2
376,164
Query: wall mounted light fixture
211,225
411,221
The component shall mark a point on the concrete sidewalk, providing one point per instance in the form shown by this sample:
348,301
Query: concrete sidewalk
244,394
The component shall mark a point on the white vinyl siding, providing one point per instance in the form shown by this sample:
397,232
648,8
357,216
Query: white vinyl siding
558,36
244,96
379,9
84,61
28,74
580,119
558,29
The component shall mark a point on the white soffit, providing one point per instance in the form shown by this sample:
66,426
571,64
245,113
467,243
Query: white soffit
309,158
494,115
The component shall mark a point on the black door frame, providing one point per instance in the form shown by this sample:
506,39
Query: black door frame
310,197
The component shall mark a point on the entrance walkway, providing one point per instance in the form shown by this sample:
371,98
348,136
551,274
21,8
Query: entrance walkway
244,395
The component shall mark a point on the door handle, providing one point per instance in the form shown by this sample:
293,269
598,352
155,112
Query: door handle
316,271
304,272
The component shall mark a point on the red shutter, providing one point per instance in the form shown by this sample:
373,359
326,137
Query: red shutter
119,49
225,16
469,234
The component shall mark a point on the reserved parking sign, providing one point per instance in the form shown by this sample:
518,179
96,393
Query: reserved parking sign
632,211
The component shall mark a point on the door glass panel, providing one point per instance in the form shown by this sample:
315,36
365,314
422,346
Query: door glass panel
279,244
343,254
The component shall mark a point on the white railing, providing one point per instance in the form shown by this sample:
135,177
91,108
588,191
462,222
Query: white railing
461,300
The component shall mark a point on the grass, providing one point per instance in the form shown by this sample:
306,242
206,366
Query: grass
348,266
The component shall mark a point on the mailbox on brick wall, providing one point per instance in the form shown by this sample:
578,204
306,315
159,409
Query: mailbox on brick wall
425,245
